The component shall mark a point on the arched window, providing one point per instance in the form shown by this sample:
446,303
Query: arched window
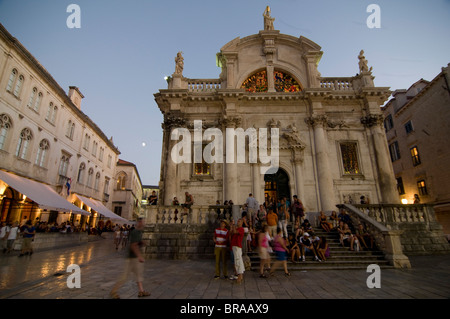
51,113
5,125
81,171
24,142
19,85
90,175
12,79
94,148
32,97
87,141
283,82
37,104
64,165
121,181
97,181
70,129
44,145
35,99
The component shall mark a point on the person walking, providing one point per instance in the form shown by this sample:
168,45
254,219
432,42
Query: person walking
28,235
135,262
12,236
220,250
263,250
280,249
4,231
237,235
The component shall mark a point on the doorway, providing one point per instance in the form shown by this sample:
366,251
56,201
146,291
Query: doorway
276,186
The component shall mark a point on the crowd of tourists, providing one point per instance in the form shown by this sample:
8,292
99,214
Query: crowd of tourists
264,229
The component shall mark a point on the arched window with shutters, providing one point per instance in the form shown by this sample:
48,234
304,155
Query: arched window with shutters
89,178
81,171
97,181
41,155
11,80
19,85
24,142
121,181
5,125
35,99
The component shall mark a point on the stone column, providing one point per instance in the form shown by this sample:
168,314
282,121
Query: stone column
170,172
386,179
270,77
312,60
324,177
256,183
231,60
230,174
297,161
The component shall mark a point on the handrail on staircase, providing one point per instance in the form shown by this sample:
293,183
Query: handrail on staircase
388,240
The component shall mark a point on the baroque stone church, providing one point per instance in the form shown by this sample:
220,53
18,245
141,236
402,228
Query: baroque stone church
331,142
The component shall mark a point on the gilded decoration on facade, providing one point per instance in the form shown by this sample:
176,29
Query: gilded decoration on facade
350,158
282,82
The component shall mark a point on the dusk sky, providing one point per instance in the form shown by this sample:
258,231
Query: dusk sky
123,50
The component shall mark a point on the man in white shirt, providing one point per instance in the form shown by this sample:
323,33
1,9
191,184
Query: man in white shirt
4,230
12,236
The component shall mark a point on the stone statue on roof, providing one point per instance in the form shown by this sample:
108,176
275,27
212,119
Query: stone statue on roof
268,20
179,63
363,67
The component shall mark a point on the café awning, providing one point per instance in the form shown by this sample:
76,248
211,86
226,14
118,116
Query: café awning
100,208
42,194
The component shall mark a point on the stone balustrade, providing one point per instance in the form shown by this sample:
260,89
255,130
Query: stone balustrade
401,229
203,85
392,215
196,215
337,84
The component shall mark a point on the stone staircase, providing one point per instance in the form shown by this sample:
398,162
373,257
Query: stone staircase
341,258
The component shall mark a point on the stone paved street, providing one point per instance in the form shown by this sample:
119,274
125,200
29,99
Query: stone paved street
43,275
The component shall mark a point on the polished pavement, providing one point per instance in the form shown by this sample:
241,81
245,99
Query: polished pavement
44,276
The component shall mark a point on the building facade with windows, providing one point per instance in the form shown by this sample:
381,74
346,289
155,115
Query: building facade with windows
46,137
127,193
331,142
418,134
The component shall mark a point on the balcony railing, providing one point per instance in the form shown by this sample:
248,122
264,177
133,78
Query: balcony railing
197,215
203,85
337,84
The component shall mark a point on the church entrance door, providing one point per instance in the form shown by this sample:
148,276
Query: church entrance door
276,186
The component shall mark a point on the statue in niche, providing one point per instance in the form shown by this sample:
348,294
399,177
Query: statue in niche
363,63
179,63
268,20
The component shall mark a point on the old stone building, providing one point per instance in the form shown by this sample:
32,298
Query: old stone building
325,134
56,164
128,190
418,133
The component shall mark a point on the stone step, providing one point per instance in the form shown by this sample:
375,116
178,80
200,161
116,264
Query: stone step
340,257
329,264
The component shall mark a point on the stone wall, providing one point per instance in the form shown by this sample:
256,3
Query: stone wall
44,241
179,241
420,240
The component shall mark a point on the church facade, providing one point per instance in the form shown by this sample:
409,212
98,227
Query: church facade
326,132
